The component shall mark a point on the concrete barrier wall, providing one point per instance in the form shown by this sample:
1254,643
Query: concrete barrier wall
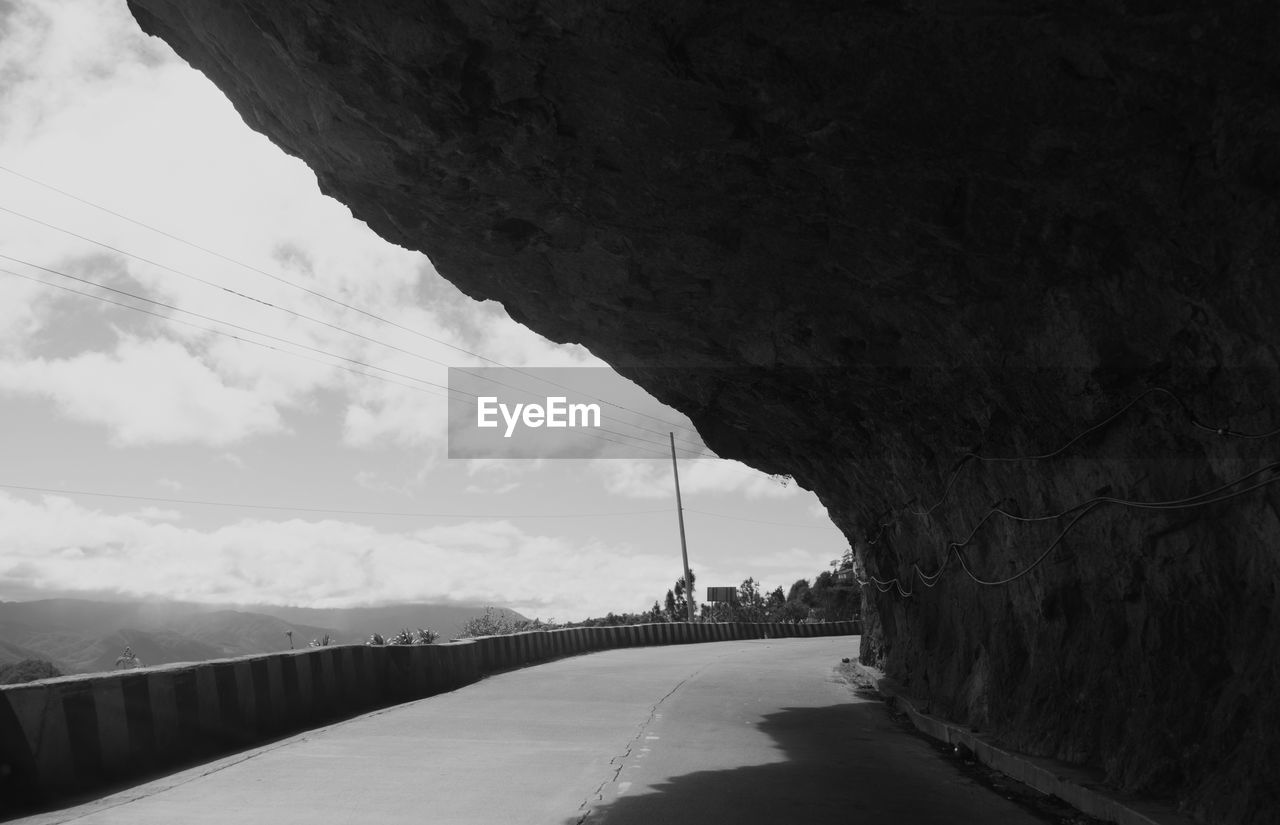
76,733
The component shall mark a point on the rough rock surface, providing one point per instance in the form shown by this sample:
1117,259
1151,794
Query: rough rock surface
855,241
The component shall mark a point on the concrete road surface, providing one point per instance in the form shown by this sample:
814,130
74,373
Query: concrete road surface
740,732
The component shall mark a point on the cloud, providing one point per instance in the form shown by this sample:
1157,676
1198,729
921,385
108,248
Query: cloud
375,482
386,415
170,484
146,392
649,479
158,514
54,49
231,459
57,545
498,490
23,306
495,476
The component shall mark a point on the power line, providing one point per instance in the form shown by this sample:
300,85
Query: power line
1220,431
231,325
295,285
1081,510
203,317
328,510
703,450
292,312
1214,496
594,435
218,332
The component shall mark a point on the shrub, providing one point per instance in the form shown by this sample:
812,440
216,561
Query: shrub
27,670
496,624
421,636
425,636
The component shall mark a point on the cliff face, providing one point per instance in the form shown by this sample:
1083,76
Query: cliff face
855,242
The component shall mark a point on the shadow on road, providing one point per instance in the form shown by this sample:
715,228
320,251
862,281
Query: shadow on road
849,762
830,753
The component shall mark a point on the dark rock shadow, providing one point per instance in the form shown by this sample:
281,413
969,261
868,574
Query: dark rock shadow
850,762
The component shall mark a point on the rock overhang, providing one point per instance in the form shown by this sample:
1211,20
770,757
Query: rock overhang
855,243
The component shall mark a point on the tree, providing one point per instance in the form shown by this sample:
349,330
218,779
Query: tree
682,592
676,603
799,593
27,670
833,602
493,623
775,606
799,600
750,605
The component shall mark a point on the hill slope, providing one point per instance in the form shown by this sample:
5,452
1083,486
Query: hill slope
86,636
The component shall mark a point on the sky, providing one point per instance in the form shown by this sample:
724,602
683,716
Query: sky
255,441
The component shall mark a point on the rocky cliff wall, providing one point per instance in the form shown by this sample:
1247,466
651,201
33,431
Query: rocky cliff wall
857,242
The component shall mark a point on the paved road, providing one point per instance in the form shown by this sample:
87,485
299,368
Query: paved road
743,732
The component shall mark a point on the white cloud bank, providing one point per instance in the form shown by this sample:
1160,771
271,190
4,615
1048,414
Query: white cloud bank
56,545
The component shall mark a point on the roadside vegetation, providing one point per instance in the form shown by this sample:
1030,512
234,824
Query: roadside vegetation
421,636
495,623
832,596
27,670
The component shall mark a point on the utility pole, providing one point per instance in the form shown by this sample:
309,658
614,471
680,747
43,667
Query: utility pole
684,548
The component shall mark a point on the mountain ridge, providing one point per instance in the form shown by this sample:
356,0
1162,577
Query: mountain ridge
87,636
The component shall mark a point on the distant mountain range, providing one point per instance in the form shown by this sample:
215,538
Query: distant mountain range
356,623
83,636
